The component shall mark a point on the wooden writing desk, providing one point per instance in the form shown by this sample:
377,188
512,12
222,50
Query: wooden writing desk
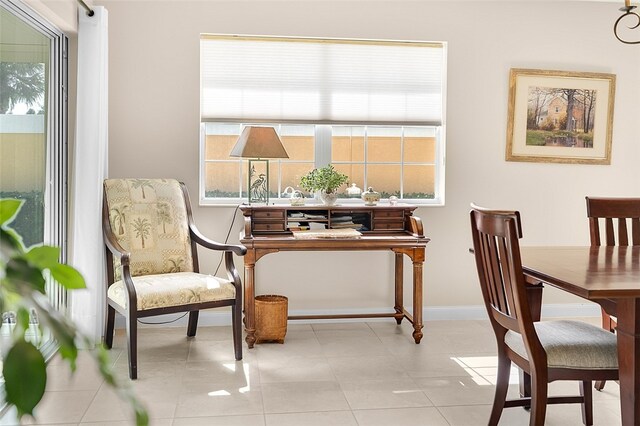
609,276
267,229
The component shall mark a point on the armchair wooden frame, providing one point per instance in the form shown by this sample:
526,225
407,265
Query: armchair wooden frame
505,293
626,211
132,314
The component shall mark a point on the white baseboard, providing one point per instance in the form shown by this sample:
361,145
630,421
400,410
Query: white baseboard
433,313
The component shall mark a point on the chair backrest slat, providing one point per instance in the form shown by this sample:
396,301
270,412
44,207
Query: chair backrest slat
497,254
611,210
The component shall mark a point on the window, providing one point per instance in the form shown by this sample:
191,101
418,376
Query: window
33,134
373,109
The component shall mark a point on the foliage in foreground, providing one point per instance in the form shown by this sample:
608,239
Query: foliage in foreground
23,277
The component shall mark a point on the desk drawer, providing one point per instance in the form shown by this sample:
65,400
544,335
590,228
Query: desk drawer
269,214
268,226
395,225
384,214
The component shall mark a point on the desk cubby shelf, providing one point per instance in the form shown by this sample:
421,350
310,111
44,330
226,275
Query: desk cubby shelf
267,220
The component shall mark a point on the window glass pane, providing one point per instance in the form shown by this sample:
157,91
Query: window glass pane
347,144
222,179
383,144
419,181
23,114
292,172
298,141
384,179
219,140
218,147
419,145
355,173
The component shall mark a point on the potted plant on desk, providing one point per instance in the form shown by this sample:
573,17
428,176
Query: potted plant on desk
325,181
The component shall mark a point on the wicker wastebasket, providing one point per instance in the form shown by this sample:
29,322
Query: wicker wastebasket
271,318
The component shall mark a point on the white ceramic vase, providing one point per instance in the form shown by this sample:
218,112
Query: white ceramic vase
328,199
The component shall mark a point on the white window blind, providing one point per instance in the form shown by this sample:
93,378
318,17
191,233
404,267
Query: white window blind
321,80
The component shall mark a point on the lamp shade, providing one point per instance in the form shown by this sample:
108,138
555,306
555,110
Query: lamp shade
259,142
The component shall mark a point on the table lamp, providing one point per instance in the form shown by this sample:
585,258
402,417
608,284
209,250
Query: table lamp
258,144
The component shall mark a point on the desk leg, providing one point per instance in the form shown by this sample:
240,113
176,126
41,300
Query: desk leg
417,298
249,297
399,306
628,333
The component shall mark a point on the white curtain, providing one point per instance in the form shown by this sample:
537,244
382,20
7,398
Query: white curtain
89,170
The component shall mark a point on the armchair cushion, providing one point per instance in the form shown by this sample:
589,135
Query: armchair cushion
571,344
149,219
181,288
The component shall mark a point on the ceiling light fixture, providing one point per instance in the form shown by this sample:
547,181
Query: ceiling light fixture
628,12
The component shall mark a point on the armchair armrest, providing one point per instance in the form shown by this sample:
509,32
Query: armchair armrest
197,236
115,248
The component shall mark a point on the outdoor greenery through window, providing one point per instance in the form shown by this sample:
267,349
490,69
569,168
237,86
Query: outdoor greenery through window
371,108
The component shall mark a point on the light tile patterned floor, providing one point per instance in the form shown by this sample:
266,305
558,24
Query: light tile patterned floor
327,374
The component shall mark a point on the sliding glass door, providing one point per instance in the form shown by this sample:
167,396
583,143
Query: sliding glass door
33,134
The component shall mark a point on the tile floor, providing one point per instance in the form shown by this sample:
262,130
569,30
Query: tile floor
333,374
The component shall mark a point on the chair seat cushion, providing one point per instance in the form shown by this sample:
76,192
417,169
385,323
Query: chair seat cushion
571,344
180,288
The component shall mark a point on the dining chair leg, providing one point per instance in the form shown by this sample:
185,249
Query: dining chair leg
608,324
539,389
587,404
236,319
502,386
132,344
109,327
193,323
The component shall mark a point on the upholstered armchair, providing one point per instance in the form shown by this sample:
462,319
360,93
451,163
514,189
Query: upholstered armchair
152,260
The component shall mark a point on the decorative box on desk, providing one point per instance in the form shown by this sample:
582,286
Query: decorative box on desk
269,229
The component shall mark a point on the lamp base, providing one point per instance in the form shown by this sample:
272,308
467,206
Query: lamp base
258,182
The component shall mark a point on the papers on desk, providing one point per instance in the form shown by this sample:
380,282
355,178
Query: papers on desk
327,233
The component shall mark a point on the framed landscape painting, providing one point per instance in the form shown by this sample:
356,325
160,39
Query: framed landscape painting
560,116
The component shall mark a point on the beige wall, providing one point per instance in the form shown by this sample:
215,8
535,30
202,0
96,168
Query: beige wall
154,107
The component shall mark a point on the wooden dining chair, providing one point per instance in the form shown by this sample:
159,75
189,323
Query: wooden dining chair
620,220
545,350
152,260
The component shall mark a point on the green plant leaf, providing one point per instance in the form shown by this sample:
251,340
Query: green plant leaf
22,320
10,242
25,377
24,275
67,276
9,208
62,329
43,256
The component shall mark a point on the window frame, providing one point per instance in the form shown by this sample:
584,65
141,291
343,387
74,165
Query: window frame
323,143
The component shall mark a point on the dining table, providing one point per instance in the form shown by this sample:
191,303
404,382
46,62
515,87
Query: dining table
610,277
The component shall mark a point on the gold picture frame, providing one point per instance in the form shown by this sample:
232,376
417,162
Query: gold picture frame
560,116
